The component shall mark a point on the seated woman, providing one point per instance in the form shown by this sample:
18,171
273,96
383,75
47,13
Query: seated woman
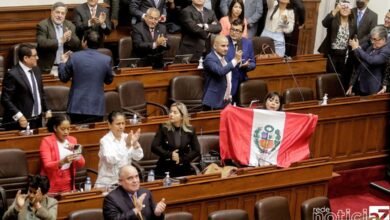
272,101
236,11
34,205
117,149
176,144
59,161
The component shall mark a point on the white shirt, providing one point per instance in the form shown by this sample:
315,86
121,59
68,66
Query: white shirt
277,24
63,149
114,154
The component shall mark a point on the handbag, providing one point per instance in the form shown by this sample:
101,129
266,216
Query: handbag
264,55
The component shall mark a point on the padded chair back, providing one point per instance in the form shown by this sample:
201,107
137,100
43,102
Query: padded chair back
229,214
298,94
95,214
107,52
252,90
14,52
178,216
208,142
113,102
188,90
174,43
132,95
13,172
149,160
320,202
125,47
57,98
272,208
2,67
263,42
330,84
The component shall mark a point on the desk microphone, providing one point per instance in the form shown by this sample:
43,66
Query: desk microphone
286,60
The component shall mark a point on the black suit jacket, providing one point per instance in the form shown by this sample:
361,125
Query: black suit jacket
143,41
368,22
139,7
81,16
164,144
17,95
117,205
194,38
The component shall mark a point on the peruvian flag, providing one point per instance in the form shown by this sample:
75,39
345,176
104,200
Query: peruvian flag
257,137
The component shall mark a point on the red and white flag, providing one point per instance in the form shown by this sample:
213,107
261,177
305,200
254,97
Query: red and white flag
257,137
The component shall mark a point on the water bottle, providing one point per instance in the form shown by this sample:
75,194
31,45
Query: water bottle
167,180
200,65
325,99
134,121
151,176
88,185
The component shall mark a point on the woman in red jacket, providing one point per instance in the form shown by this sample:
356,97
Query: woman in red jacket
58,156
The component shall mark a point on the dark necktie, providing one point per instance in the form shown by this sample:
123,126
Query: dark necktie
152,33
35,93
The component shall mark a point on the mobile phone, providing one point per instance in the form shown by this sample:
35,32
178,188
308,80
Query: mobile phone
77,149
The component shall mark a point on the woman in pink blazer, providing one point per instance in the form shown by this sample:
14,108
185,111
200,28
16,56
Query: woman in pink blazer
236,11
58,155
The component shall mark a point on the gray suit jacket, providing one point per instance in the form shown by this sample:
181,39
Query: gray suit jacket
89,70
48,43
368,22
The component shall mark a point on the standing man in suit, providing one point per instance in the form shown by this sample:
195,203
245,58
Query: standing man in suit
138,8
55,36
22,96
218,74
91,16
114,11
89,70
149,39
198,23
237,42
129,201
253,12
366,20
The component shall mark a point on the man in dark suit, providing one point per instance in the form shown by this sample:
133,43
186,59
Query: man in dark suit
149,39
91,16
129,201
198,23
89,70
366,20
237,42
218,74
22,96
368,77
138,8
114,11
55,36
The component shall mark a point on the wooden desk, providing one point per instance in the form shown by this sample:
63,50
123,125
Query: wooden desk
210,193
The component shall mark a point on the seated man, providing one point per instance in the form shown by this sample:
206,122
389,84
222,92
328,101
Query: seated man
91,16
34,205
149,39
55,36
129,201
218,74
367,79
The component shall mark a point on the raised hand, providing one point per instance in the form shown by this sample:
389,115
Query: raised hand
102,17
175,156
160,207
20,199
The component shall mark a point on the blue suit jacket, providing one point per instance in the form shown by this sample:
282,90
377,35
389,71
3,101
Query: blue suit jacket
373,60
215,85
240,74
89,70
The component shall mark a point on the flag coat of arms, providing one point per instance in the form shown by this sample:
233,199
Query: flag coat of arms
257,137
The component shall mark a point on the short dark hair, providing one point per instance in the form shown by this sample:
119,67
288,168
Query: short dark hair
55,121
92,38
271,95
39,181
238,22
25,50
111,117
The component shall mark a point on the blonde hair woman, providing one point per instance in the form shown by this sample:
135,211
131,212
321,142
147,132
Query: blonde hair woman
176,144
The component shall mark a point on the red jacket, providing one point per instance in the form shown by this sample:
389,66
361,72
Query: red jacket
50,158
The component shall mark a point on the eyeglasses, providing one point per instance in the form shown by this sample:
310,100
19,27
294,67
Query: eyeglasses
376,39
235,30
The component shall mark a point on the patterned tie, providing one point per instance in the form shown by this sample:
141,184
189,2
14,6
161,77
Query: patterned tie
134,200
228,81
152,33
93,12
35,93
